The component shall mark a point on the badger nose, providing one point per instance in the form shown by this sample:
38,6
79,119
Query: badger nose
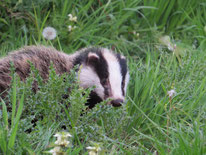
117,102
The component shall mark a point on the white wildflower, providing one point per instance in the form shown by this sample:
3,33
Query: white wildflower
135,33
62,138
171,93
92,153
67,134
71,18
61,135
93,150
70,28
49,33
74,19
55,151
170,47
165,40
62,142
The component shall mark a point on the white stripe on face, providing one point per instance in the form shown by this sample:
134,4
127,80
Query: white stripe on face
126,82
88,78
115,76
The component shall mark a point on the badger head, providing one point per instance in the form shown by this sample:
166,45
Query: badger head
107,72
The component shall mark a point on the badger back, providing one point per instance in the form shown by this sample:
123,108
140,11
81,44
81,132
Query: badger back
39,56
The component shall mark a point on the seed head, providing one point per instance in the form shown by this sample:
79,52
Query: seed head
49,33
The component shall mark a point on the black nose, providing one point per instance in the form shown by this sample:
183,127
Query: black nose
117,102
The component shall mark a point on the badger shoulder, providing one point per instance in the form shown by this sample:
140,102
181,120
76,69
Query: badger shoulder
40,56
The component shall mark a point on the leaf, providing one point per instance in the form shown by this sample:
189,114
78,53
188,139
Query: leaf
14,129
5,114
3,140
13,99
3,21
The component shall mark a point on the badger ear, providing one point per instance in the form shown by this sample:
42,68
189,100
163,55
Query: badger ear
92,58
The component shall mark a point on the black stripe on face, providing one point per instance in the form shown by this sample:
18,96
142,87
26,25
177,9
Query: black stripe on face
93,100
99,65
123,66
101,68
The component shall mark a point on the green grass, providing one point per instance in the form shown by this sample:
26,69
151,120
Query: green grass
150,122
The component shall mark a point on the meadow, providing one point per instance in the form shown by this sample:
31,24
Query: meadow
165,110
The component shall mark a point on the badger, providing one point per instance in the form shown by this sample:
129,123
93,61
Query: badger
101,68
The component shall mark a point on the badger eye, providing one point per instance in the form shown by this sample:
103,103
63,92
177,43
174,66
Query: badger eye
104,82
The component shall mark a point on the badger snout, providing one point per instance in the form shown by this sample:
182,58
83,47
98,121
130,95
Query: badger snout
117,102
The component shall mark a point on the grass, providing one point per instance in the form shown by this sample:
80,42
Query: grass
151,122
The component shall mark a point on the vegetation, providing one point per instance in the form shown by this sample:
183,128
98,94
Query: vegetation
164,42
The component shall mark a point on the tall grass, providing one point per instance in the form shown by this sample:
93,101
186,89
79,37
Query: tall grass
151,122
9,131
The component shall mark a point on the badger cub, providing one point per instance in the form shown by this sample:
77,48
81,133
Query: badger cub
101,67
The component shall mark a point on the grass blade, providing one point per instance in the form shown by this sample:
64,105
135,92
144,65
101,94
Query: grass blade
14,129
5,114
13,100
3,140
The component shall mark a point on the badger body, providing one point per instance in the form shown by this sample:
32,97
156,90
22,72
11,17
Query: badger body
101,67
